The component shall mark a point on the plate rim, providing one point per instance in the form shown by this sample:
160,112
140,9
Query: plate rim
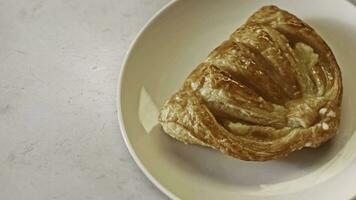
127,142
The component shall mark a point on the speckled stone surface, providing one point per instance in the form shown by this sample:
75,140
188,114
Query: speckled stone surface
59,133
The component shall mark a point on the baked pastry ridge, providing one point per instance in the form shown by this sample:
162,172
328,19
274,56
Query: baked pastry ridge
272,88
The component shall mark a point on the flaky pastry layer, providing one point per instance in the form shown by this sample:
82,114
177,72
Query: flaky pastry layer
272,88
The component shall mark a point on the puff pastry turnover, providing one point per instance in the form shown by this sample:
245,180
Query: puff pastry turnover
272,88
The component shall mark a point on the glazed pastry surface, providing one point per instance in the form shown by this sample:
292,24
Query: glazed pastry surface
272,88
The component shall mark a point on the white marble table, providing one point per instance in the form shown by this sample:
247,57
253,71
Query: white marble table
59,134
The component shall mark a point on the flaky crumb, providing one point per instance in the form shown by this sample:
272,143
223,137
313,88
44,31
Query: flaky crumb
331,114
324,126
308,144
323,111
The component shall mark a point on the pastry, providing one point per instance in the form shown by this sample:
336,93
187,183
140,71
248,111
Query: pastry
272,88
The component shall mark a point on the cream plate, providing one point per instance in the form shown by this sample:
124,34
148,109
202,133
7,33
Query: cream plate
170,46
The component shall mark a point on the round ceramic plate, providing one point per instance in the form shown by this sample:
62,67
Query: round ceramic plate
170,46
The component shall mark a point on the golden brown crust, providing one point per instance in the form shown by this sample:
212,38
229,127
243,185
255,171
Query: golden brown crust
272,88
